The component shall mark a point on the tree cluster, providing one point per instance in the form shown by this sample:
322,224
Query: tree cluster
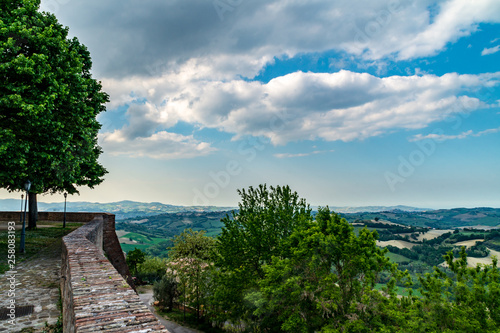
276,268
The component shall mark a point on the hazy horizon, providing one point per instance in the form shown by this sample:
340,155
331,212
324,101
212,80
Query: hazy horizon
314,206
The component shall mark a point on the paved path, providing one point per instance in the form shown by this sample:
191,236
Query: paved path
147,298
37,284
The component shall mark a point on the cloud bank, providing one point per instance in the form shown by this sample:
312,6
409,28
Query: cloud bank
188,61
342,106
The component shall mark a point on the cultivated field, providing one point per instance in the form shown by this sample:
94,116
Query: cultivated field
473,261
468,243
431,234
397,243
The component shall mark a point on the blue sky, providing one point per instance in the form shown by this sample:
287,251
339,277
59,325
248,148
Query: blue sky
373,103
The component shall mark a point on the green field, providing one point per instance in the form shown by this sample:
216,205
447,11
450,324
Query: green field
130,247
143,241
397,258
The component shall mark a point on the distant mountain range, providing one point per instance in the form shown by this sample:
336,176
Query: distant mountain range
131,209
122,209
374,209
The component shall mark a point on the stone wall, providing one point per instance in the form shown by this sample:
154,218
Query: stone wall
51,216
96,286
95,296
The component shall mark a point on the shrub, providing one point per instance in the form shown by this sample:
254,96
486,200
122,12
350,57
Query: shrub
165,292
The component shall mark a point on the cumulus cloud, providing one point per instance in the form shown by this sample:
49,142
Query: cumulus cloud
444,137
456,18
306,106
160,145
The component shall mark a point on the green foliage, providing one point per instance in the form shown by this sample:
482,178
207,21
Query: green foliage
49,103
151,270
325,282
192,244
166,292
249,240
274,268
460,299
134,258
190,262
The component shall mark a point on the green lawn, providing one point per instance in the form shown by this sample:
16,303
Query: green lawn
35,240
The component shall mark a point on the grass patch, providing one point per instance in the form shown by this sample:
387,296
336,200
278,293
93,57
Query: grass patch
397,257
35,241
132,247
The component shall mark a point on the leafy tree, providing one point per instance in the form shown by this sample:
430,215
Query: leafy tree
327,282
192,244
152,269
250,238
166,291
135,258
190,262
49,103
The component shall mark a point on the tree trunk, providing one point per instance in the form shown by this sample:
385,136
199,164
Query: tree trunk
33,209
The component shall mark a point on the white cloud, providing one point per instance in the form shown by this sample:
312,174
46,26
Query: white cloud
160,145
444,137
305,106
491,50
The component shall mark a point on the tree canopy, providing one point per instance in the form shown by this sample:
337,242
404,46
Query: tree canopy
278,267
49,103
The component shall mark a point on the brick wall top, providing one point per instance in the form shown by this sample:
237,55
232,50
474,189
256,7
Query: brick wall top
95,296
53,216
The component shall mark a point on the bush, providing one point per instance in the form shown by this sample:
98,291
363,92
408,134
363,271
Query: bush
151,270
165,292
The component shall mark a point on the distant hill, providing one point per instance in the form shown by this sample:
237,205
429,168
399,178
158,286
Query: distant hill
151,232
122,209
442,218
346,209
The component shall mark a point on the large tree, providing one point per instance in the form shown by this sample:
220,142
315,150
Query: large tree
326,283
250,238
190,262
48,105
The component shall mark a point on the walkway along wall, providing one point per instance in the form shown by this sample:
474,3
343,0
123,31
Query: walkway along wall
96,286
95,296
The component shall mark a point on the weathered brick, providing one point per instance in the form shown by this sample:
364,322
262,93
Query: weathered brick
96,297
